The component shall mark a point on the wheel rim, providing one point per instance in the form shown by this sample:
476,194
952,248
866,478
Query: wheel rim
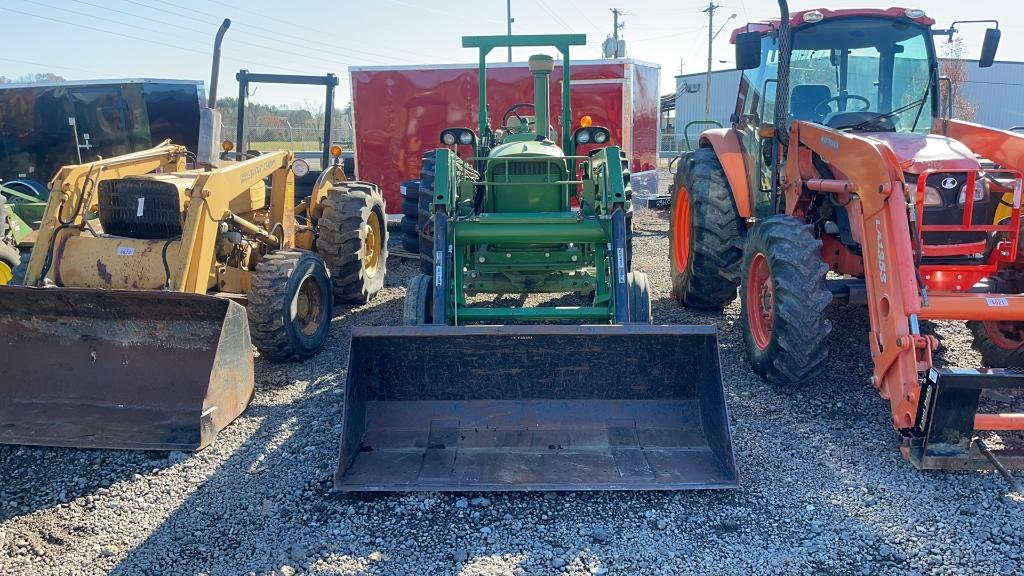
307,308
371,246
6,273
760,301
1005,335
681,224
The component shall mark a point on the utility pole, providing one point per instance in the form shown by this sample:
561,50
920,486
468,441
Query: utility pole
712,34
710,11
616,26
508,14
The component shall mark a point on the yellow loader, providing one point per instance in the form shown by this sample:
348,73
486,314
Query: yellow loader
129,332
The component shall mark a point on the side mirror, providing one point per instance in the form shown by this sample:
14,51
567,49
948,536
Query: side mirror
748,50
988,49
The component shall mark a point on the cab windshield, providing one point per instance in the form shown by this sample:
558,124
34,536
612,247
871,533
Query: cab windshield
858,73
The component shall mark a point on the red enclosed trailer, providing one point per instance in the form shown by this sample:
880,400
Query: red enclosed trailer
399,112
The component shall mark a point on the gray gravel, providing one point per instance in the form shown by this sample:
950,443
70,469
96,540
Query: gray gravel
824,489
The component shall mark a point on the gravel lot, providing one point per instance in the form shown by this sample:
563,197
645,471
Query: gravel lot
824,489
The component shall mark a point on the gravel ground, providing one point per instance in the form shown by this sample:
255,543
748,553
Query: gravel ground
824,489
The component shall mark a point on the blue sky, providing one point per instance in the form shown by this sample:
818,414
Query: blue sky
81,39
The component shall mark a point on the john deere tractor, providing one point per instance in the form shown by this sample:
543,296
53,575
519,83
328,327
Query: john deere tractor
618,404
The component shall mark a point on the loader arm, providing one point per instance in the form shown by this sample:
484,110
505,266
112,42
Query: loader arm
74,184
873,176
209,203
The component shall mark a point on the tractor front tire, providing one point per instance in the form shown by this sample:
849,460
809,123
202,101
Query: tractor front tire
416,310
705,242
353,240
1001,344
290,305
639,298
784,299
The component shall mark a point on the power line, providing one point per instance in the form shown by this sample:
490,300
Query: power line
58,66
165,24
120,34
295,40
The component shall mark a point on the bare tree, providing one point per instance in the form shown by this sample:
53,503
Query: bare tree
954,67
32,78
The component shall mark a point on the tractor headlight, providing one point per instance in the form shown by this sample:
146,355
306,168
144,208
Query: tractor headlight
932,197
980,192
583,137
453,136
300,168
600,137
914,13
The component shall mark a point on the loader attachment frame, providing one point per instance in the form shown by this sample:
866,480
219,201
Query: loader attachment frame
934,408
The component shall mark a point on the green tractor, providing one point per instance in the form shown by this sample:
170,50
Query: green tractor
455,400
22,204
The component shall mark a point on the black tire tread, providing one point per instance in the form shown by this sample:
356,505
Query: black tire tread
346,210
713,275
417,301
639,298
993,356
798,350
269,287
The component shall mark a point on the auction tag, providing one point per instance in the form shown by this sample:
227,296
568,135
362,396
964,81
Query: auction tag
142,205
997,302
125,251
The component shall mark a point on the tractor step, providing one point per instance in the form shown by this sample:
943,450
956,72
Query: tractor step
946,438
535,408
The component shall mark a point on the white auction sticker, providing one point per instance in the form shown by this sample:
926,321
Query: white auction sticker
997,302
125,251
142,205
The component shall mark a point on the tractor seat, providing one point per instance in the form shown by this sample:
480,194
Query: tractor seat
805,98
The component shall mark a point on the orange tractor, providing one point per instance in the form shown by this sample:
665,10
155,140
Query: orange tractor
842,178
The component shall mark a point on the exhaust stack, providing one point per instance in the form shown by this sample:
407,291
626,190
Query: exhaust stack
541,66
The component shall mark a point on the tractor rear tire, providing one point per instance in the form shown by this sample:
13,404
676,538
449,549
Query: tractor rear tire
290,305
784,298
1001,344
705,233
426,232
416,310
410,227
639,298
353,240
411,244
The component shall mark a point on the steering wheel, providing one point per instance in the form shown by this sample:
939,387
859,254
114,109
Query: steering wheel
824,108
514,111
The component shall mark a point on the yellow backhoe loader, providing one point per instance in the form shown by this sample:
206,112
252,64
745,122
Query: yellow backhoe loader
129,333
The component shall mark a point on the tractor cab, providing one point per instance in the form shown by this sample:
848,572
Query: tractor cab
873,72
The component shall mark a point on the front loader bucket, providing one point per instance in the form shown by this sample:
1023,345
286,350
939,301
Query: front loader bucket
535,408
147,370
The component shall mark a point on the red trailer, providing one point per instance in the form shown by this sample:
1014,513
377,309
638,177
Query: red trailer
399,112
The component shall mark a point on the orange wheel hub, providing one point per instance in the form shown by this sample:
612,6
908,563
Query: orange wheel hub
1005,335
760,299
681,224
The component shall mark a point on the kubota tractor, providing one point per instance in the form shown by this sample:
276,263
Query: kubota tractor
840,160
